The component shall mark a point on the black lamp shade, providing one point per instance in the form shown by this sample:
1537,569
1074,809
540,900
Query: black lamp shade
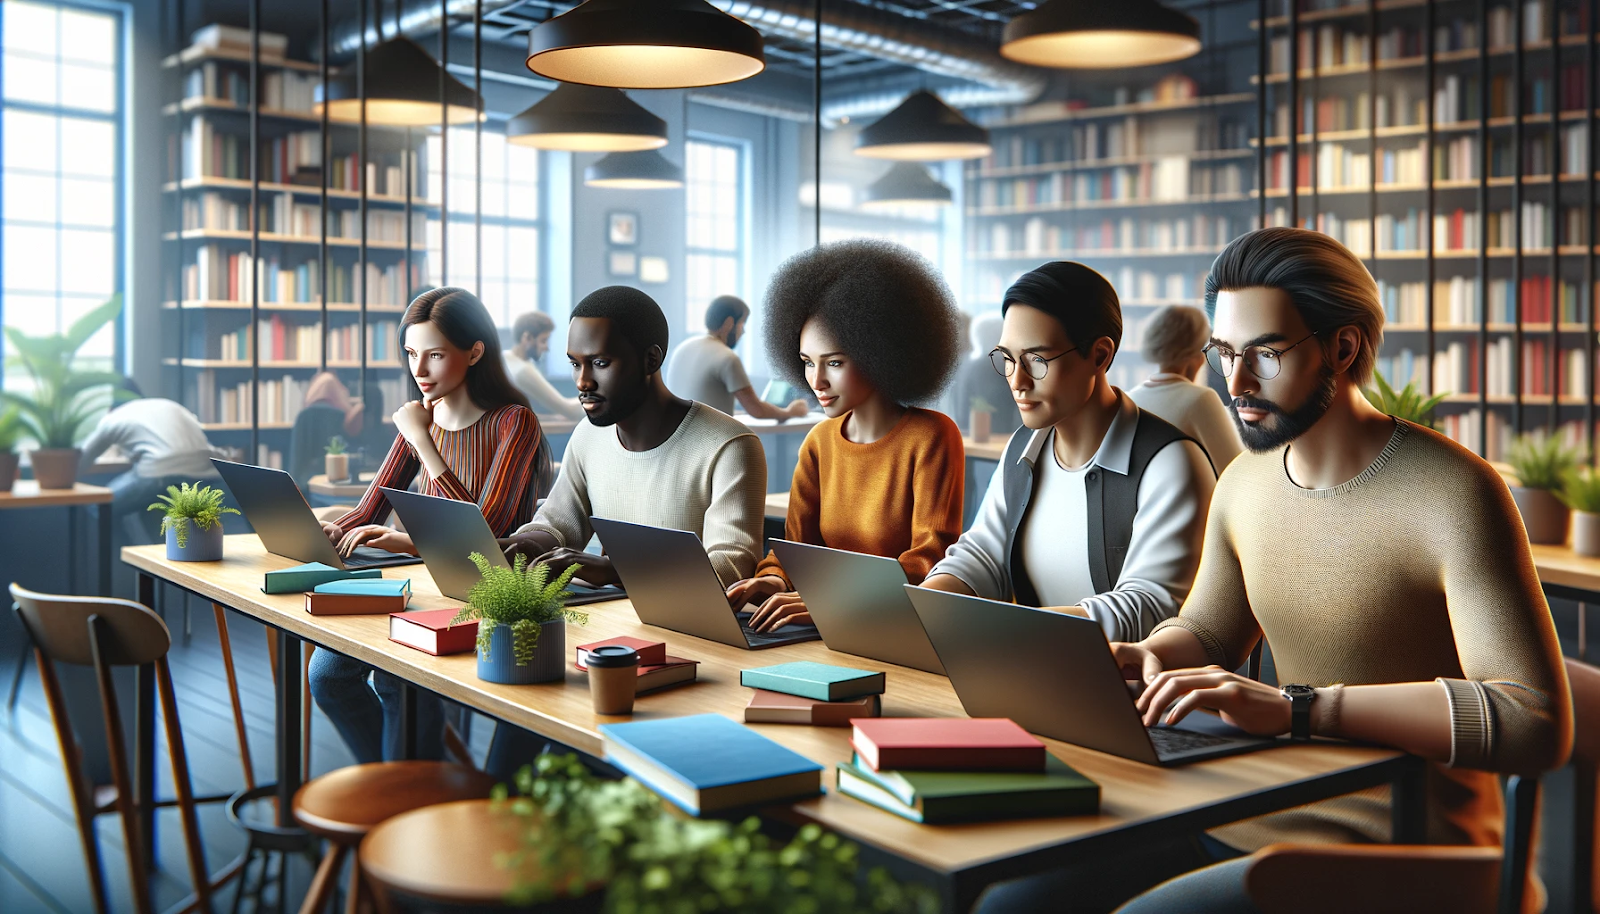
647,170
1100,34
905,184
402,90
645,44
923,129
587,119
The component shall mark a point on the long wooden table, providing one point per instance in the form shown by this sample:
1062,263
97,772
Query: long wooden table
1139,801
25,493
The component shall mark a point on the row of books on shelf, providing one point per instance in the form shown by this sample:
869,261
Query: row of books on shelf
1466,428
1036,236
1168,179
1169,89
281,90
1340,167
281,398
294,159
281,214
1132,285
1455,302
286,341
1398,105
1456,369
1085,144
220,275
1455,232
1327,45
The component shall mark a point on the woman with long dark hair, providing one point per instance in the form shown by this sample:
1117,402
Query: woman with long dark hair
473,438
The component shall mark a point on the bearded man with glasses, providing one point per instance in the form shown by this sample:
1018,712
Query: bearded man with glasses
1097,508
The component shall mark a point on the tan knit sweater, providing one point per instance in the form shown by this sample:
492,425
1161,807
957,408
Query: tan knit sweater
1416,570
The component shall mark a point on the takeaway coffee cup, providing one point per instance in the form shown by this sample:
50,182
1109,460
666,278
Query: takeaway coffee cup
613,678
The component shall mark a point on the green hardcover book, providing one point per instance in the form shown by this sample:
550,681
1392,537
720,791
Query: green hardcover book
933,797
814,680
309,576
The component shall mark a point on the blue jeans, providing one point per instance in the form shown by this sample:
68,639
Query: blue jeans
368,716
1099,885
1217,889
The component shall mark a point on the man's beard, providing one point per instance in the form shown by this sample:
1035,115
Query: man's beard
617,408
733,338
1290,425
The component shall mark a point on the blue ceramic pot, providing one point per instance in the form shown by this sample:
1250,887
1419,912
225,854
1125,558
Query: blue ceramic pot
548,663
204,545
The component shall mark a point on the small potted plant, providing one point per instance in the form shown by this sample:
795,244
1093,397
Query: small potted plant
1582,494
980,418
201,505
336,460
521,615
1408,403
11,429
1542,464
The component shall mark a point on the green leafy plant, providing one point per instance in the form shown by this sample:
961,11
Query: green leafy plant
63,398
1407,403
11,429
198,503
520,597
1581,490
1542,461
582,834
980,405
336,445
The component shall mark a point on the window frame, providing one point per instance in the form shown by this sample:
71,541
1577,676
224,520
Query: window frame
740,253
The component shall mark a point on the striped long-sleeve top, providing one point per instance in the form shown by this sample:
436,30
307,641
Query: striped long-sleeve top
490,462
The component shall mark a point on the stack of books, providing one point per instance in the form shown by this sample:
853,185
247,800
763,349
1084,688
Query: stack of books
303,578
657,668
811,693
706,763
365,597
935,770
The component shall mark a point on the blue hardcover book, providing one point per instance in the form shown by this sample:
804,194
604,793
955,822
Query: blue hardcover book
707,763
368,587
302,578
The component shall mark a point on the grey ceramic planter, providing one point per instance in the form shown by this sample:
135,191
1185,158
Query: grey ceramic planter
1543,515
203,546
548,663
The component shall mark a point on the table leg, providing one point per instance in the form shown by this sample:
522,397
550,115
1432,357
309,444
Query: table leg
103,513
408,721
72,549
144,759
288,726
146,593
1409,803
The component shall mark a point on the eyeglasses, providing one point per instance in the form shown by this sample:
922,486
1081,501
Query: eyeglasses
1034,364
1264,362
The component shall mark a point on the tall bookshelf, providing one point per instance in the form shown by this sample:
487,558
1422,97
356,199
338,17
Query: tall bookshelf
1487,273
1143,175
277,267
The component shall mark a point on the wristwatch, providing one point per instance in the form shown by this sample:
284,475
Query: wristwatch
1300,698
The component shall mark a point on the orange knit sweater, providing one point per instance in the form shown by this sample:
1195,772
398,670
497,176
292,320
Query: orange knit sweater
899,496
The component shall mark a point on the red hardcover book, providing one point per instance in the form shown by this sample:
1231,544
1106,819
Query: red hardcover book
651,653
945,744
432,633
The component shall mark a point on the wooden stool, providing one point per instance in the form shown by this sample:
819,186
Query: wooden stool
343,806
444,855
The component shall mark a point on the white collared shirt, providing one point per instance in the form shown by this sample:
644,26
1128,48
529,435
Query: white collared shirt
1163,554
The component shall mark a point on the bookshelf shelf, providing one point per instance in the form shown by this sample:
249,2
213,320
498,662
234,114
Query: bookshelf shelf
313,307
271,238
226,106
275,366
194,54
1032,209
1100,253
1020,171
239,184
1086,114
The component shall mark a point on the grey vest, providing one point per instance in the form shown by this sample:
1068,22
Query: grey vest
1113,500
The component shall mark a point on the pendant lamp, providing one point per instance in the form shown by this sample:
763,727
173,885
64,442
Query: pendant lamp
645,44
587,119
402,90
905,184
923,129
647,170
1100,34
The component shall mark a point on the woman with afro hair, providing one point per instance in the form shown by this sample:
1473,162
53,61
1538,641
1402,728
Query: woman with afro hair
870,328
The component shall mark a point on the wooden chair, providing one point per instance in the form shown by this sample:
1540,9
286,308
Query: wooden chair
1585,681
105,633
344,806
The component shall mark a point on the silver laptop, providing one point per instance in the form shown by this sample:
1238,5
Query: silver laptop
1054,675
447,532
274,506
672,585
859,604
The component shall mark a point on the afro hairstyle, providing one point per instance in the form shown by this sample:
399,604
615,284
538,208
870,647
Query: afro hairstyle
636,314
885,304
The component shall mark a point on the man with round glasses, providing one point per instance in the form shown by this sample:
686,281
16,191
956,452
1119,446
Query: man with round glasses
1097,508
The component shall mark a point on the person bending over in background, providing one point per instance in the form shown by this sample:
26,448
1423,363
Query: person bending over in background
707,369
1173,339
473,438
530,335
870,328
1085,451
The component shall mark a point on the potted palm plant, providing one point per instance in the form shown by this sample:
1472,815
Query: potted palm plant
521,615
11,429
1542,464
197,505
336,460
980,419
1408,403
1581,493
63,398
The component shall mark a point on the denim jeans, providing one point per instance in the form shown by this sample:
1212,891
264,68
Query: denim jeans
368,716
1099,885
1217,889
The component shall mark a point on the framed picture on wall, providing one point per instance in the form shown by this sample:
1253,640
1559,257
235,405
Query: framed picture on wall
623,228
623,263
653,269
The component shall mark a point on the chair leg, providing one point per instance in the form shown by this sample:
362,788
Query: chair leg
244,878
138,854
16,682
226,642
355,895
306,649
184,788
325,880
82,798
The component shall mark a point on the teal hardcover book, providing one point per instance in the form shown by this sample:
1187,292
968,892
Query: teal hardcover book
706,763
820,681
309,576
368,587
932,797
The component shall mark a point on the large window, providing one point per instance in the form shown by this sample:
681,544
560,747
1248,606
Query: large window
714,197
63,212
510,222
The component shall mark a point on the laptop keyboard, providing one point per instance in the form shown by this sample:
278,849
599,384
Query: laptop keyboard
368,557
1171,742
785,635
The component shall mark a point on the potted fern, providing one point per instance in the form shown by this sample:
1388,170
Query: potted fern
521,615
11,429
63,398
1581,493
1542,465
980,419
198,506
336,460
1408,403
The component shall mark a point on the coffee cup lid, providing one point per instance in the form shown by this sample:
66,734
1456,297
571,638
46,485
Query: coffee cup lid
613,655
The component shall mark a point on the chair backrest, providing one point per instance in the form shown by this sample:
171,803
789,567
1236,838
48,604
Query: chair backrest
1585,681
59,627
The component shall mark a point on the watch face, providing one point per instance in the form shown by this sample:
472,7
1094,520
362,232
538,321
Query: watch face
1298,691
